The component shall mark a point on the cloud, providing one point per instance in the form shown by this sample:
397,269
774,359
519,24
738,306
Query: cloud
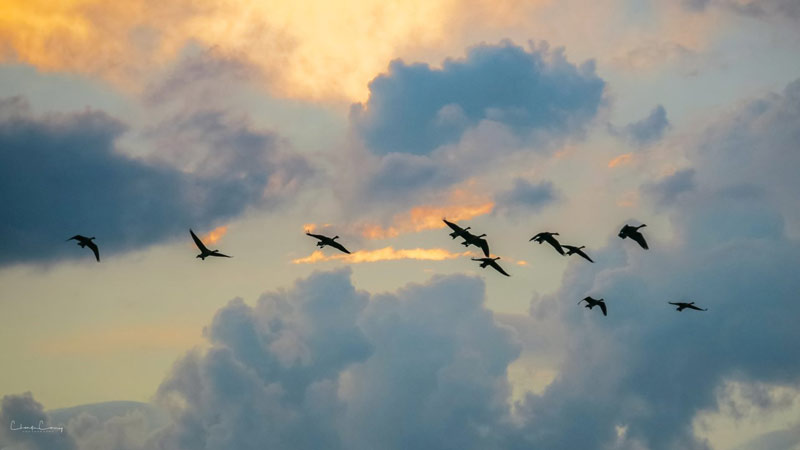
785,9
63,174
323,365
415,108
753,148
647,130
23,411
667,189
647,369
383,254
309,49
525,196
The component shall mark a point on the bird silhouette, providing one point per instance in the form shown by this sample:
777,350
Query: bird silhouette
591,303
572,250
325,240
491,262
84,241
548,237
457,230
477,241
204,251
633,232
681,306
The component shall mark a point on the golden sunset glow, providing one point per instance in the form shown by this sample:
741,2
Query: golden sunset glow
383,254
425,218
308,49
623,159
215,235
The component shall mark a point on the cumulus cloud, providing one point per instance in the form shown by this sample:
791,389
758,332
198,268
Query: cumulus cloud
424,130
324,365
63,174
22,411
525,196
415,108
638,378
646,131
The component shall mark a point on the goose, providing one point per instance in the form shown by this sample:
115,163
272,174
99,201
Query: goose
572,250
84,241
633,232
477,241
204,251
457,230
325,240
681,306
548,237
591,303
491,262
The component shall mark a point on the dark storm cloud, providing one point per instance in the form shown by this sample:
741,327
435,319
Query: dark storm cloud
415,109
525,197
62,174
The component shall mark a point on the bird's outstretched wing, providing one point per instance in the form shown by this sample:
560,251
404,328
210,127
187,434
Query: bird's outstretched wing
77,237
676,304
498,268
453,226
696,308
584,255
220,255
318,236
94,248
552,241
603,308
339,246
484,245
198,242
538,235
639,238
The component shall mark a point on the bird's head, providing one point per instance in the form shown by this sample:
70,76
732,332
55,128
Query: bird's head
483,235
335,238
495,259
91,238
465,229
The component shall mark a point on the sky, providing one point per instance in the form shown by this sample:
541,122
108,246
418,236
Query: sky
253,122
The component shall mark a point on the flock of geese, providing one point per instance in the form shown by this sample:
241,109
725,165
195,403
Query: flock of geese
479,241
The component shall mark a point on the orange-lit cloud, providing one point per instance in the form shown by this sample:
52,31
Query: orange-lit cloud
215,235
425,218
625,158
383,254
310,49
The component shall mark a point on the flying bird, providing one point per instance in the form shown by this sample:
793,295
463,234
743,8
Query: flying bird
591,303
457,230
548,237
325,240
681,306
477,241
491,262
633,232
572,250
84,241
204,251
